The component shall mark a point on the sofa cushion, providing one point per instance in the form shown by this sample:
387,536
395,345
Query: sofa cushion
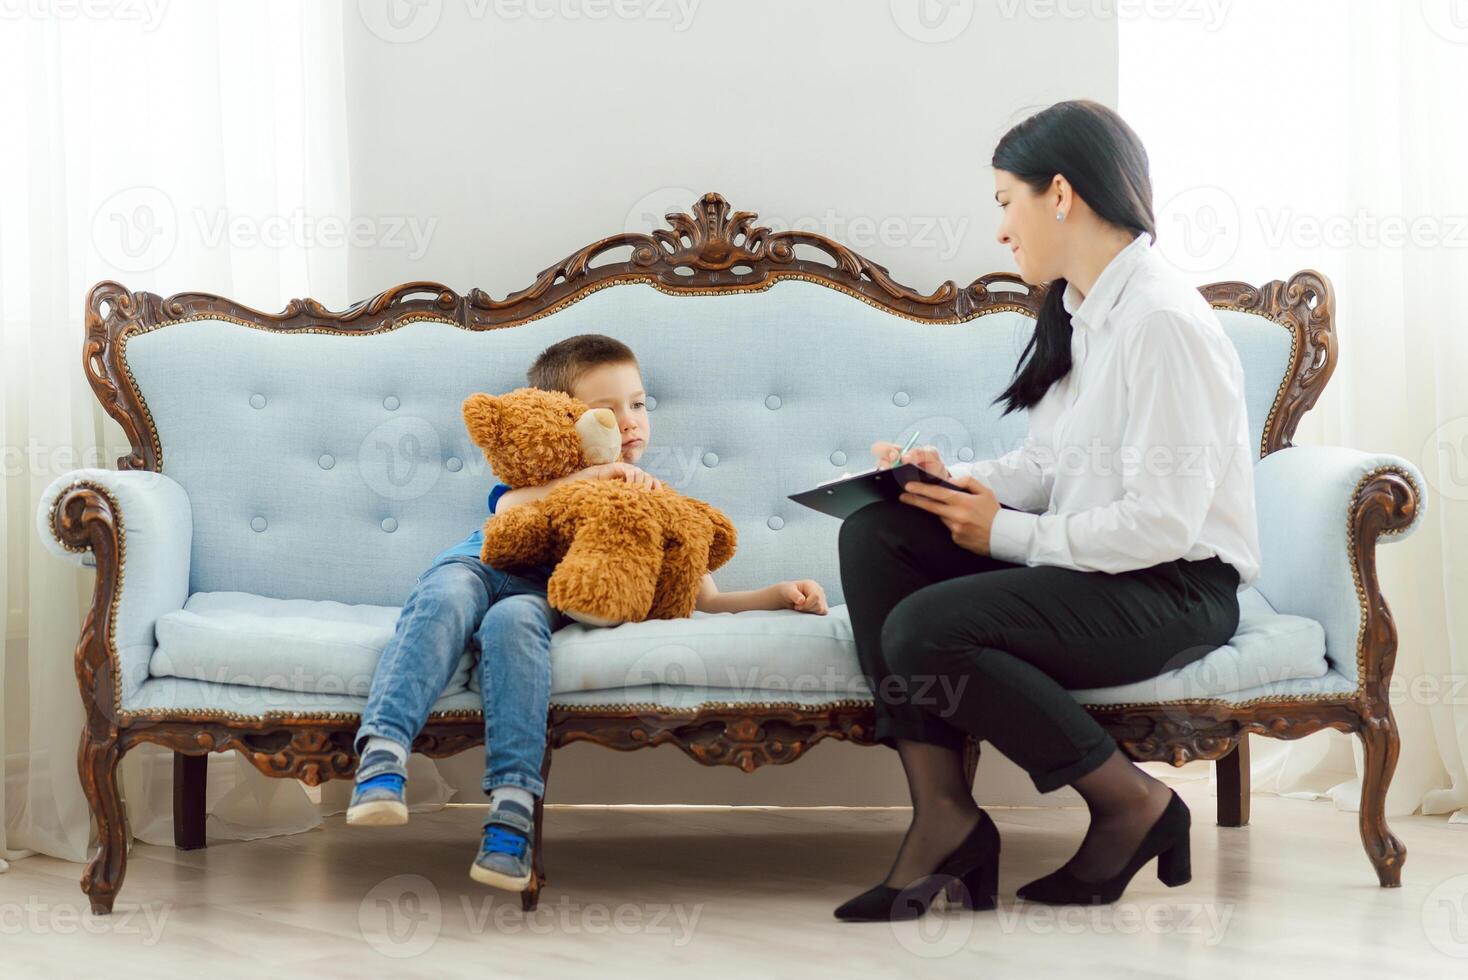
1266,648
773,651
323,647
305,645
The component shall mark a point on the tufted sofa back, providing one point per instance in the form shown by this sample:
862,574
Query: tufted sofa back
330,465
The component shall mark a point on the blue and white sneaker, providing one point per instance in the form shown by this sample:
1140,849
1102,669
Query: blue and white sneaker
504,859
378,798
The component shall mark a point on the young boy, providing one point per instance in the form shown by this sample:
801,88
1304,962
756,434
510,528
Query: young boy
460,599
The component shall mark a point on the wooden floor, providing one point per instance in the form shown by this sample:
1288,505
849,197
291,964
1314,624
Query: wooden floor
701,892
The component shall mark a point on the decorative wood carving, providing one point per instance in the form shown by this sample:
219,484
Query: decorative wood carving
708,250
1306,304
721,736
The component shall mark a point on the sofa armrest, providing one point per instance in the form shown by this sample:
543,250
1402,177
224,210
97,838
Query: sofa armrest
137,525
1321,511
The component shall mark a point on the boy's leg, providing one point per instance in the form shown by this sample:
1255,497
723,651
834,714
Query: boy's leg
514,679
433,629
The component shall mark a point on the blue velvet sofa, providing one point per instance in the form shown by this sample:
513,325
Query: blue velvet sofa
291,474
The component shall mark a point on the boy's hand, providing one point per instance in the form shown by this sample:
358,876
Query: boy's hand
620,471
802,595
924,457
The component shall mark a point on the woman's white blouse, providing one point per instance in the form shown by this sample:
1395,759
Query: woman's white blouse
1141,454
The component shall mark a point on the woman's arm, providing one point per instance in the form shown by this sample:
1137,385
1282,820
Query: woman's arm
1022,478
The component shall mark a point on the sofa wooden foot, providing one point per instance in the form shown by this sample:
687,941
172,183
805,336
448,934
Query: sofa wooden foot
1233,785
97,761
190,781
530,897
1381,743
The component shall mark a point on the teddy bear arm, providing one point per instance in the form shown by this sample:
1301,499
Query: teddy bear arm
610,571
519,536
723,538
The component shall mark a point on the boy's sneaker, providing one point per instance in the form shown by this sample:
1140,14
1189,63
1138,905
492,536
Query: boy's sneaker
504,859
378,798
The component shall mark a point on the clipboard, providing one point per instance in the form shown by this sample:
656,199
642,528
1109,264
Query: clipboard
844,497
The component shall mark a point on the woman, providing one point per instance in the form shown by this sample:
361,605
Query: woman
1108,548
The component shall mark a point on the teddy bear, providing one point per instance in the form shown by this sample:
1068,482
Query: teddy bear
622,552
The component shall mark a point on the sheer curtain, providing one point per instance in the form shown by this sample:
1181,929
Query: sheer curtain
196,151
1329,134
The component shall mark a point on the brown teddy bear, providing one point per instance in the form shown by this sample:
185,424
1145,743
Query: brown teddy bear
622,553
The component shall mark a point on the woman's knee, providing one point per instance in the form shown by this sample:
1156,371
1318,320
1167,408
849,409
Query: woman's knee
869,531
922,632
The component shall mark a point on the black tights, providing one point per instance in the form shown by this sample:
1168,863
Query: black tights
959,644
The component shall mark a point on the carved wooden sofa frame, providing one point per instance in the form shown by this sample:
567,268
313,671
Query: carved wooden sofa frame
707,250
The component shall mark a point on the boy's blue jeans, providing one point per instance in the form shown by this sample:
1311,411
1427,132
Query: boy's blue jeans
457,600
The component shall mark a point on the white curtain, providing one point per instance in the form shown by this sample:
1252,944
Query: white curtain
196,151
1330,134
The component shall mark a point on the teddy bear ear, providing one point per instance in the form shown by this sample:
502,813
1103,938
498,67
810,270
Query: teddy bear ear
481,418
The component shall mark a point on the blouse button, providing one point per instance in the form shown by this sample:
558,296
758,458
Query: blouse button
389,524
711,459
965,454
900,399
257,401
327,461
838,458
453,464
258,524
773,402
391,403
775,523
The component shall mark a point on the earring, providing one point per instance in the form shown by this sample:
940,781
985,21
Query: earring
1059,215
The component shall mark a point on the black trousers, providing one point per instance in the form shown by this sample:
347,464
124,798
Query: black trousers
956,643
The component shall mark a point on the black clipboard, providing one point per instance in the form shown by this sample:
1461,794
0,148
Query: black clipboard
842,498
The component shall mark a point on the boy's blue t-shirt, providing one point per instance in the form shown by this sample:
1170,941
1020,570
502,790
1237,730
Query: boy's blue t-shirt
471,546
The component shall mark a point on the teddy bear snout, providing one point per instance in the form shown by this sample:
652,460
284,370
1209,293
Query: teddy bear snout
601,440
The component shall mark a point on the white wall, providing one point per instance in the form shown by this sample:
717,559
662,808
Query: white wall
509,140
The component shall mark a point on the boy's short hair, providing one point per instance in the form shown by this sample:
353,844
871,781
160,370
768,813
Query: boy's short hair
560,365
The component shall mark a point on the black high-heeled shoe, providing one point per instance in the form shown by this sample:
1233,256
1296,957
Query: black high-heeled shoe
1166,840
969,876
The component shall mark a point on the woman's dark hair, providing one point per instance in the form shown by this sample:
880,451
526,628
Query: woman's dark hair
1105,162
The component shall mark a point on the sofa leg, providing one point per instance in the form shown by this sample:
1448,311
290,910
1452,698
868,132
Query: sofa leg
97,761
530,897
1381,743
190,780
970,760
1233,785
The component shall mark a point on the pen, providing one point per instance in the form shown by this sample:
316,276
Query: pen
903,451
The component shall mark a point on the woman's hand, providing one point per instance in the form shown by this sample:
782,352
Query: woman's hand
968,516
619,471
924,457
802,595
